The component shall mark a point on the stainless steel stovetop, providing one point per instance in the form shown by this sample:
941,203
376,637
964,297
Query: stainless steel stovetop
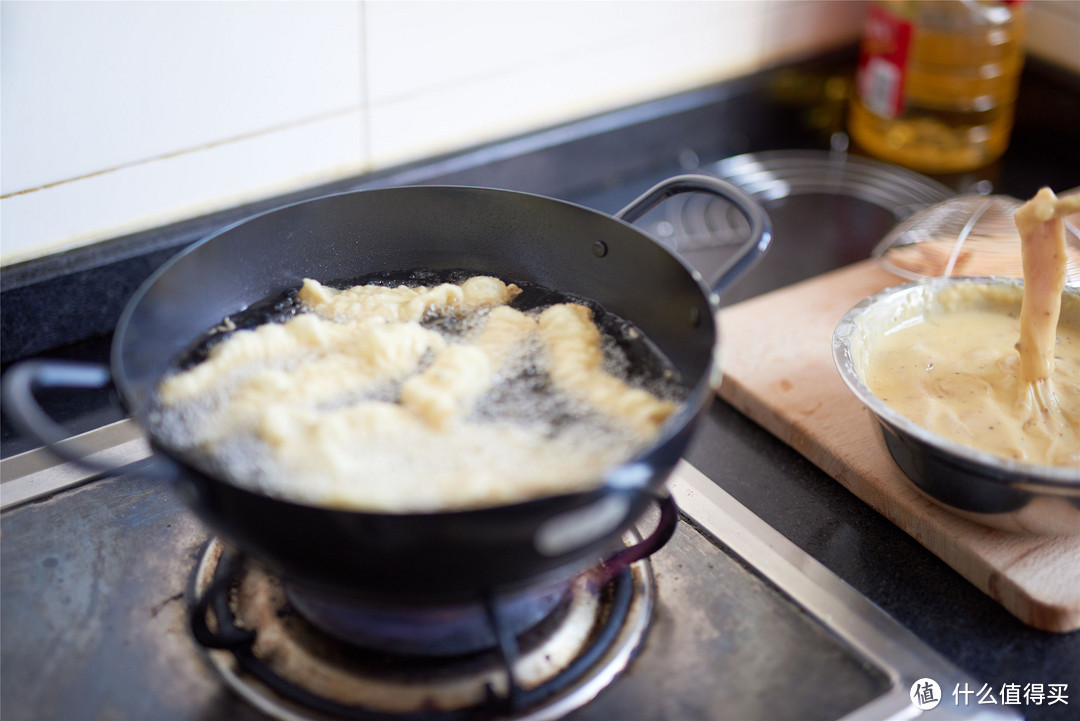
100,578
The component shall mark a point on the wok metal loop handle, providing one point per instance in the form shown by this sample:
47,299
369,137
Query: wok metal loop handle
665,529
760,225
24,380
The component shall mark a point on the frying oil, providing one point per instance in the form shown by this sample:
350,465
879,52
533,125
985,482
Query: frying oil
937,82
523,438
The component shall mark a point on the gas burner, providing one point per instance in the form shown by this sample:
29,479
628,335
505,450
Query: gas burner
535,655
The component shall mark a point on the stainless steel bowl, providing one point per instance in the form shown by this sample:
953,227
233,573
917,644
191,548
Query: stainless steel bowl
995,491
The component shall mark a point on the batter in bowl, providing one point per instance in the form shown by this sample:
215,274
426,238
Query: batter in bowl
995,368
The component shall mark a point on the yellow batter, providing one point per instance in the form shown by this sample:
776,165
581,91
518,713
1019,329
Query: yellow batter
994,373
957,373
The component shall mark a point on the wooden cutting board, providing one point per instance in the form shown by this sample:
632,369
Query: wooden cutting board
783,377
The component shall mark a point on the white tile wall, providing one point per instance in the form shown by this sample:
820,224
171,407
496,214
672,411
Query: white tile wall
118,116
481,70
1054,31
90,86
796,27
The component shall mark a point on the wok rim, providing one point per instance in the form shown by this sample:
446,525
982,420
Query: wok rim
684,420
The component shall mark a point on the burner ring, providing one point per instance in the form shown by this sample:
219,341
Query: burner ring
606,655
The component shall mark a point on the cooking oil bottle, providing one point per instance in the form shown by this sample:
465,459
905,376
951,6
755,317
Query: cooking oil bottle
936,85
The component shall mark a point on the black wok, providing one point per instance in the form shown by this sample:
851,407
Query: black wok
514,236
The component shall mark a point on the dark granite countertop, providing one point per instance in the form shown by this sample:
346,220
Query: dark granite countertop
66,306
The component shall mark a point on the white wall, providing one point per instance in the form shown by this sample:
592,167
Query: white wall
119,116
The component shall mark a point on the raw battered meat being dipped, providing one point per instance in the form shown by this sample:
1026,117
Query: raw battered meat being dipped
1042,232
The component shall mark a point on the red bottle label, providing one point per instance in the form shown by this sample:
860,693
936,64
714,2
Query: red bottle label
883,62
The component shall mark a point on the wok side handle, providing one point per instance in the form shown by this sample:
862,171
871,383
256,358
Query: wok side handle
760,225
20,386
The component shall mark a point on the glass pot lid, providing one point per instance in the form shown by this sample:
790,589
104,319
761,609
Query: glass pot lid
969,235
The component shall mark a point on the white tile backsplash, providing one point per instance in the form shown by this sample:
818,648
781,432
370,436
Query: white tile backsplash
119,116
584,69
414,47
800,27
90,86
1054,32
216,176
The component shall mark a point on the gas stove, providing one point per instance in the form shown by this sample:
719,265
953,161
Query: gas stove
713,614
128,608
118,603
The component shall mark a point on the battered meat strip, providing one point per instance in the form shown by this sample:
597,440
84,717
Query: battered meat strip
245,349
577,368
405,303
460,374
1042,236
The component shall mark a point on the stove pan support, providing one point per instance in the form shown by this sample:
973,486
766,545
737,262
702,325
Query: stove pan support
624,582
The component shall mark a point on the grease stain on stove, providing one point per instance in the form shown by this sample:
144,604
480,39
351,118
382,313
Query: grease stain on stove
156,609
